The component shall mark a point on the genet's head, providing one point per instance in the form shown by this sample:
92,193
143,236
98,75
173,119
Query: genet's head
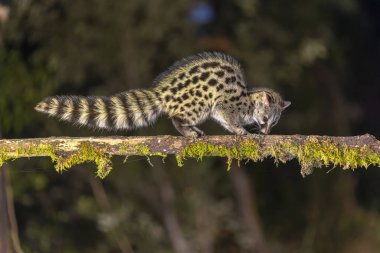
268,106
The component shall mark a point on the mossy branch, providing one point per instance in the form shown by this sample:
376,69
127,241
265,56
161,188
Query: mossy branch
311,151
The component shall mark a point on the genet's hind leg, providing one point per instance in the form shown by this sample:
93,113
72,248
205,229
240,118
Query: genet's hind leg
186,130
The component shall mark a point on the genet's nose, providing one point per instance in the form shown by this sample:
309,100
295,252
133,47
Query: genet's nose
265,130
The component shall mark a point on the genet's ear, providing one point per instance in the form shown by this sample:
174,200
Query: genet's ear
286,104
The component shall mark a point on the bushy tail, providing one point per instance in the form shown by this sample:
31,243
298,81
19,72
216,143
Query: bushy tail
127,110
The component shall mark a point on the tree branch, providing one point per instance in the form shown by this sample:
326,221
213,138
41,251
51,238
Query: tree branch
311,151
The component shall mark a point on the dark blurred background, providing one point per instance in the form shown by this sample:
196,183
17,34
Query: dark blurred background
322,55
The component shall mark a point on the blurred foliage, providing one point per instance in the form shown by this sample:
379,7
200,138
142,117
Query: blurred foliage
322,55
19,80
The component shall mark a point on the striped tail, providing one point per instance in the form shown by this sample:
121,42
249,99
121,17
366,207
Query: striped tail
127,110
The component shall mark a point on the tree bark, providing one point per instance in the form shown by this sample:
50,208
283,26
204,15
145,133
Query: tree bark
174,144
311,151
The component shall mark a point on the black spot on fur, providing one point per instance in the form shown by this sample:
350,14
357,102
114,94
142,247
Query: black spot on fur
187,82
181,76
174,90
227,80
228,69
180,86
165,88
210,95
193,103
233,99
194,70
201,104
233,79
205,88
185,96
158,96
195,79
212,82
198,93
188,105
173,107
191,92
204,76
214,64
167,98
220,87
220,73
174,80
207,65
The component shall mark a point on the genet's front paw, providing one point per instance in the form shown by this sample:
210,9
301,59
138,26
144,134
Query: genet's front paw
199,132
241,132
192,135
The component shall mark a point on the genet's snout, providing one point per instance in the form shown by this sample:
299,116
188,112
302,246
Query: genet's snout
265,130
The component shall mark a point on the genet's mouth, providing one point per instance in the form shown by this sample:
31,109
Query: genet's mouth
265,130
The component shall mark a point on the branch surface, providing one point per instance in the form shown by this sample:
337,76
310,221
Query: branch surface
311,151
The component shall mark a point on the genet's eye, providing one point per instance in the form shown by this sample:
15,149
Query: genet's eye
266,119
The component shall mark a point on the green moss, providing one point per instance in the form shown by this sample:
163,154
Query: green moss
246,150
314,154
3,157
310,154
40,150
142,150
145,151
86,153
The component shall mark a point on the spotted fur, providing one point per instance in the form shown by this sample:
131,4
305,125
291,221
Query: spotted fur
192,90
